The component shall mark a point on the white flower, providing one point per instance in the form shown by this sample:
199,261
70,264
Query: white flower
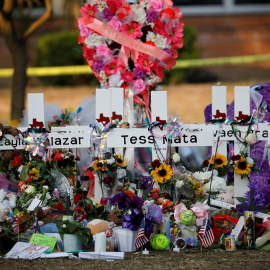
161,42
151,37
152,79
175,157
115,79
139,14
121,173
1,133
110,161
202,176
251,138
179,183
30,189
93,40
103,75
48,196
46,187
145,4
218,185
101,6
64,225
250,160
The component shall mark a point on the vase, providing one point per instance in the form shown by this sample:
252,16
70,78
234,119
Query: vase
126,239
72,242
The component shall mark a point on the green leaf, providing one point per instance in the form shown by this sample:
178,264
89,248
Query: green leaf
128,174
241,199
24,173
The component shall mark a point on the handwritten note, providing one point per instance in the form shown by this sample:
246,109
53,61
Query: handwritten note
43,240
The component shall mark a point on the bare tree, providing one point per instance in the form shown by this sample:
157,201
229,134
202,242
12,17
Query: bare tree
16,43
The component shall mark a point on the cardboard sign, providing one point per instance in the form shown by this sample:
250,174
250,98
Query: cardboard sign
23,250
44,240
34,204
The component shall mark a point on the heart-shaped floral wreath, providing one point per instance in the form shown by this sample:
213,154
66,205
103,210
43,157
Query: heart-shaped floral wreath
130,45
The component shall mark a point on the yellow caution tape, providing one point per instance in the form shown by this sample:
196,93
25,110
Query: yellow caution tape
84,69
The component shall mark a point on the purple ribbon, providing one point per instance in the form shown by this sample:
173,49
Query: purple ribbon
132,221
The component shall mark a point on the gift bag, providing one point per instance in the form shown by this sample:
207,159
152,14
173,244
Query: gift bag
223,226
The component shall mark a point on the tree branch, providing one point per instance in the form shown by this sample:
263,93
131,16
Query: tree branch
8,6
36,24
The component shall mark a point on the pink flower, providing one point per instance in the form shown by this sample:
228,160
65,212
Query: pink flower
156,5
132,30
103,50
123,12
84,30
144,63
115,23
174,35
127,76
168,3
88,11
113,67
139,86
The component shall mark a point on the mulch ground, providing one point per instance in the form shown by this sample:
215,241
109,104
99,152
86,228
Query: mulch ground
186,259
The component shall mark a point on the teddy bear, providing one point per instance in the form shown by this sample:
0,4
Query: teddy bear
227,197
98,226
116,217
7,203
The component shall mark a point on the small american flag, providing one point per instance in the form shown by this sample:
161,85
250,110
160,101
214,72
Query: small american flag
141,237
206,235
37,228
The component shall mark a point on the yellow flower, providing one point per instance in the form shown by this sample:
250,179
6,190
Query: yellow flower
35,173
28,165
120,161
220,160
242,167
99,166
97,205
163,173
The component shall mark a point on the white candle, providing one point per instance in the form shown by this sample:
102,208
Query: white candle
100,242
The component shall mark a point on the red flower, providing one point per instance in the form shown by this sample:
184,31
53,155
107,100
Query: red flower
127,76
130,194
166,195
58,157
150,43
59,206
113,5
155,196
88,53
87,208
159,70
102,202
77,197
17,162
159,27
168,12
155,163
88,11
235,158
123,12
206,163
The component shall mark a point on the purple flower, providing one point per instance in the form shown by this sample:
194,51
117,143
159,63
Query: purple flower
55,194
107,180
168,51
151,15
107,15
136,202
98,66
121,200
138,73
146,181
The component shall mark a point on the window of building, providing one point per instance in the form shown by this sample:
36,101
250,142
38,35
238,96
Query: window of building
256,2
197,2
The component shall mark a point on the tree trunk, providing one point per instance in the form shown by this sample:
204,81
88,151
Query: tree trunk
19,79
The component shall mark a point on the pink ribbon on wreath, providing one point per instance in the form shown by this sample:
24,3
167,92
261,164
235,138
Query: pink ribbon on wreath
198,211
129,45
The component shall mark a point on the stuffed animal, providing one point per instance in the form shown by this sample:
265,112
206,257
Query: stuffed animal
116,217
7,203
9,130
227,197
98,226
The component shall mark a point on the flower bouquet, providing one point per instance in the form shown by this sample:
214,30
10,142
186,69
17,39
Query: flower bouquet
243,165
109,171
129,46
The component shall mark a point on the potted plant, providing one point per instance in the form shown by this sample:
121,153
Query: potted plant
74,234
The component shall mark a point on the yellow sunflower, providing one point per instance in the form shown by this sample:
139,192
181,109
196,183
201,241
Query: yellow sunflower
242,167
99,166
120,161
163,173
220,160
